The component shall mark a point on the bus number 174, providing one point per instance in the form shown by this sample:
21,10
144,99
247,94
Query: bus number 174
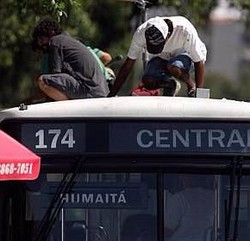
56,138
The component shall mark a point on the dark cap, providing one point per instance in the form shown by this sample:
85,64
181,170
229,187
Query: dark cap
156,34
154,40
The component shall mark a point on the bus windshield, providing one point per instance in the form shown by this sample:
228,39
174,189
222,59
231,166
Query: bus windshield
123,206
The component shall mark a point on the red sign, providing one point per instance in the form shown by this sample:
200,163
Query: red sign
17,162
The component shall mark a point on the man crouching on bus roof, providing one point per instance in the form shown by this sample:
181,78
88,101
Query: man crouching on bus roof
74,72
175,50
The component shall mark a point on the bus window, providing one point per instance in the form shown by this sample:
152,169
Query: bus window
189,207
100,206
237,224
198,207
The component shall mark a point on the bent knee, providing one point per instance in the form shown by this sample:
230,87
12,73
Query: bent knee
41,83
177,72
173,70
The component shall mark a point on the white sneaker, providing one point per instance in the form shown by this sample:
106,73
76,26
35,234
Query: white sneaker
171,87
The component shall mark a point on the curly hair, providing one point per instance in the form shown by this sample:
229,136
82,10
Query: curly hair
45,27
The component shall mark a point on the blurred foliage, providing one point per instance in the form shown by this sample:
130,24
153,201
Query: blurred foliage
100,23
197,10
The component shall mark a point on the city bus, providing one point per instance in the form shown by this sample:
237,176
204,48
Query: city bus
130,169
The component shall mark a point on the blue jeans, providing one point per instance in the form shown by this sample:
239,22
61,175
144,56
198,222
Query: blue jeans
155,74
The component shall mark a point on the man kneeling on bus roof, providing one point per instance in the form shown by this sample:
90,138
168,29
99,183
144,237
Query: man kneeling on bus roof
74,72
175,50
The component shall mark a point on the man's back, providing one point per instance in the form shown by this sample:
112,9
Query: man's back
70,56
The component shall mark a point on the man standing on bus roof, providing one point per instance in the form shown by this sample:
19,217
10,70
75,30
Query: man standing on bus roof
174,48
74,72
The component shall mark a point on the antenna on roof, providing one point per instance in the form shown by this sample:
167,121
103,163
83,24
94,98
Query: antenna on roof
142,5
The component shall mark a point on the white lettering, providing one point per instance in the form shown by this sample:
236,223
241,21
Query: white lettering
113,197
184,140
122,198
75,198
65,198
140,134
193,138
198,134
160,138
216,135
99,198
88,198
236,138
95,198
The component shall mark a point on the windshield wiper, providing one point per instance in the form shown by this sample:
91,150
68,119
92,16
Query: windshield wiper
235,176
57,202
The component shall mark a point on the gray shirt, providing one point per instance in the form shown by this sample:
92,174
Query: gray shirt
68,55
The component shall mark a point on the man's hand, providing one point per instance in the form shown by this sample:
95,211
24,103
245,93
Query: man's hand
110,94
192,92
121,77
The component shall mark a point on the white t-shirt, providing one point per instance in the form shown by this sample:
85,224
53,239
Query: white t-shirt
190,213
184,39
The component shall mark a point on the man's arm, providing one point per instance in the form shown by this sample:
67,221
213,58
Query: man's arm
122,75
199,74
55,60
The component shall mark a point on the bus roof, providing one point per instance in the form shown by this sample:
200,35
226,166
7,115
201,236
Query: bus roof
135,107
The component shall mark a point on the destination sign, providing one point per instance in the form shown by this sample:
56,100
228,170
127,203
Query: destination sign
137,137
180,137
94,195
